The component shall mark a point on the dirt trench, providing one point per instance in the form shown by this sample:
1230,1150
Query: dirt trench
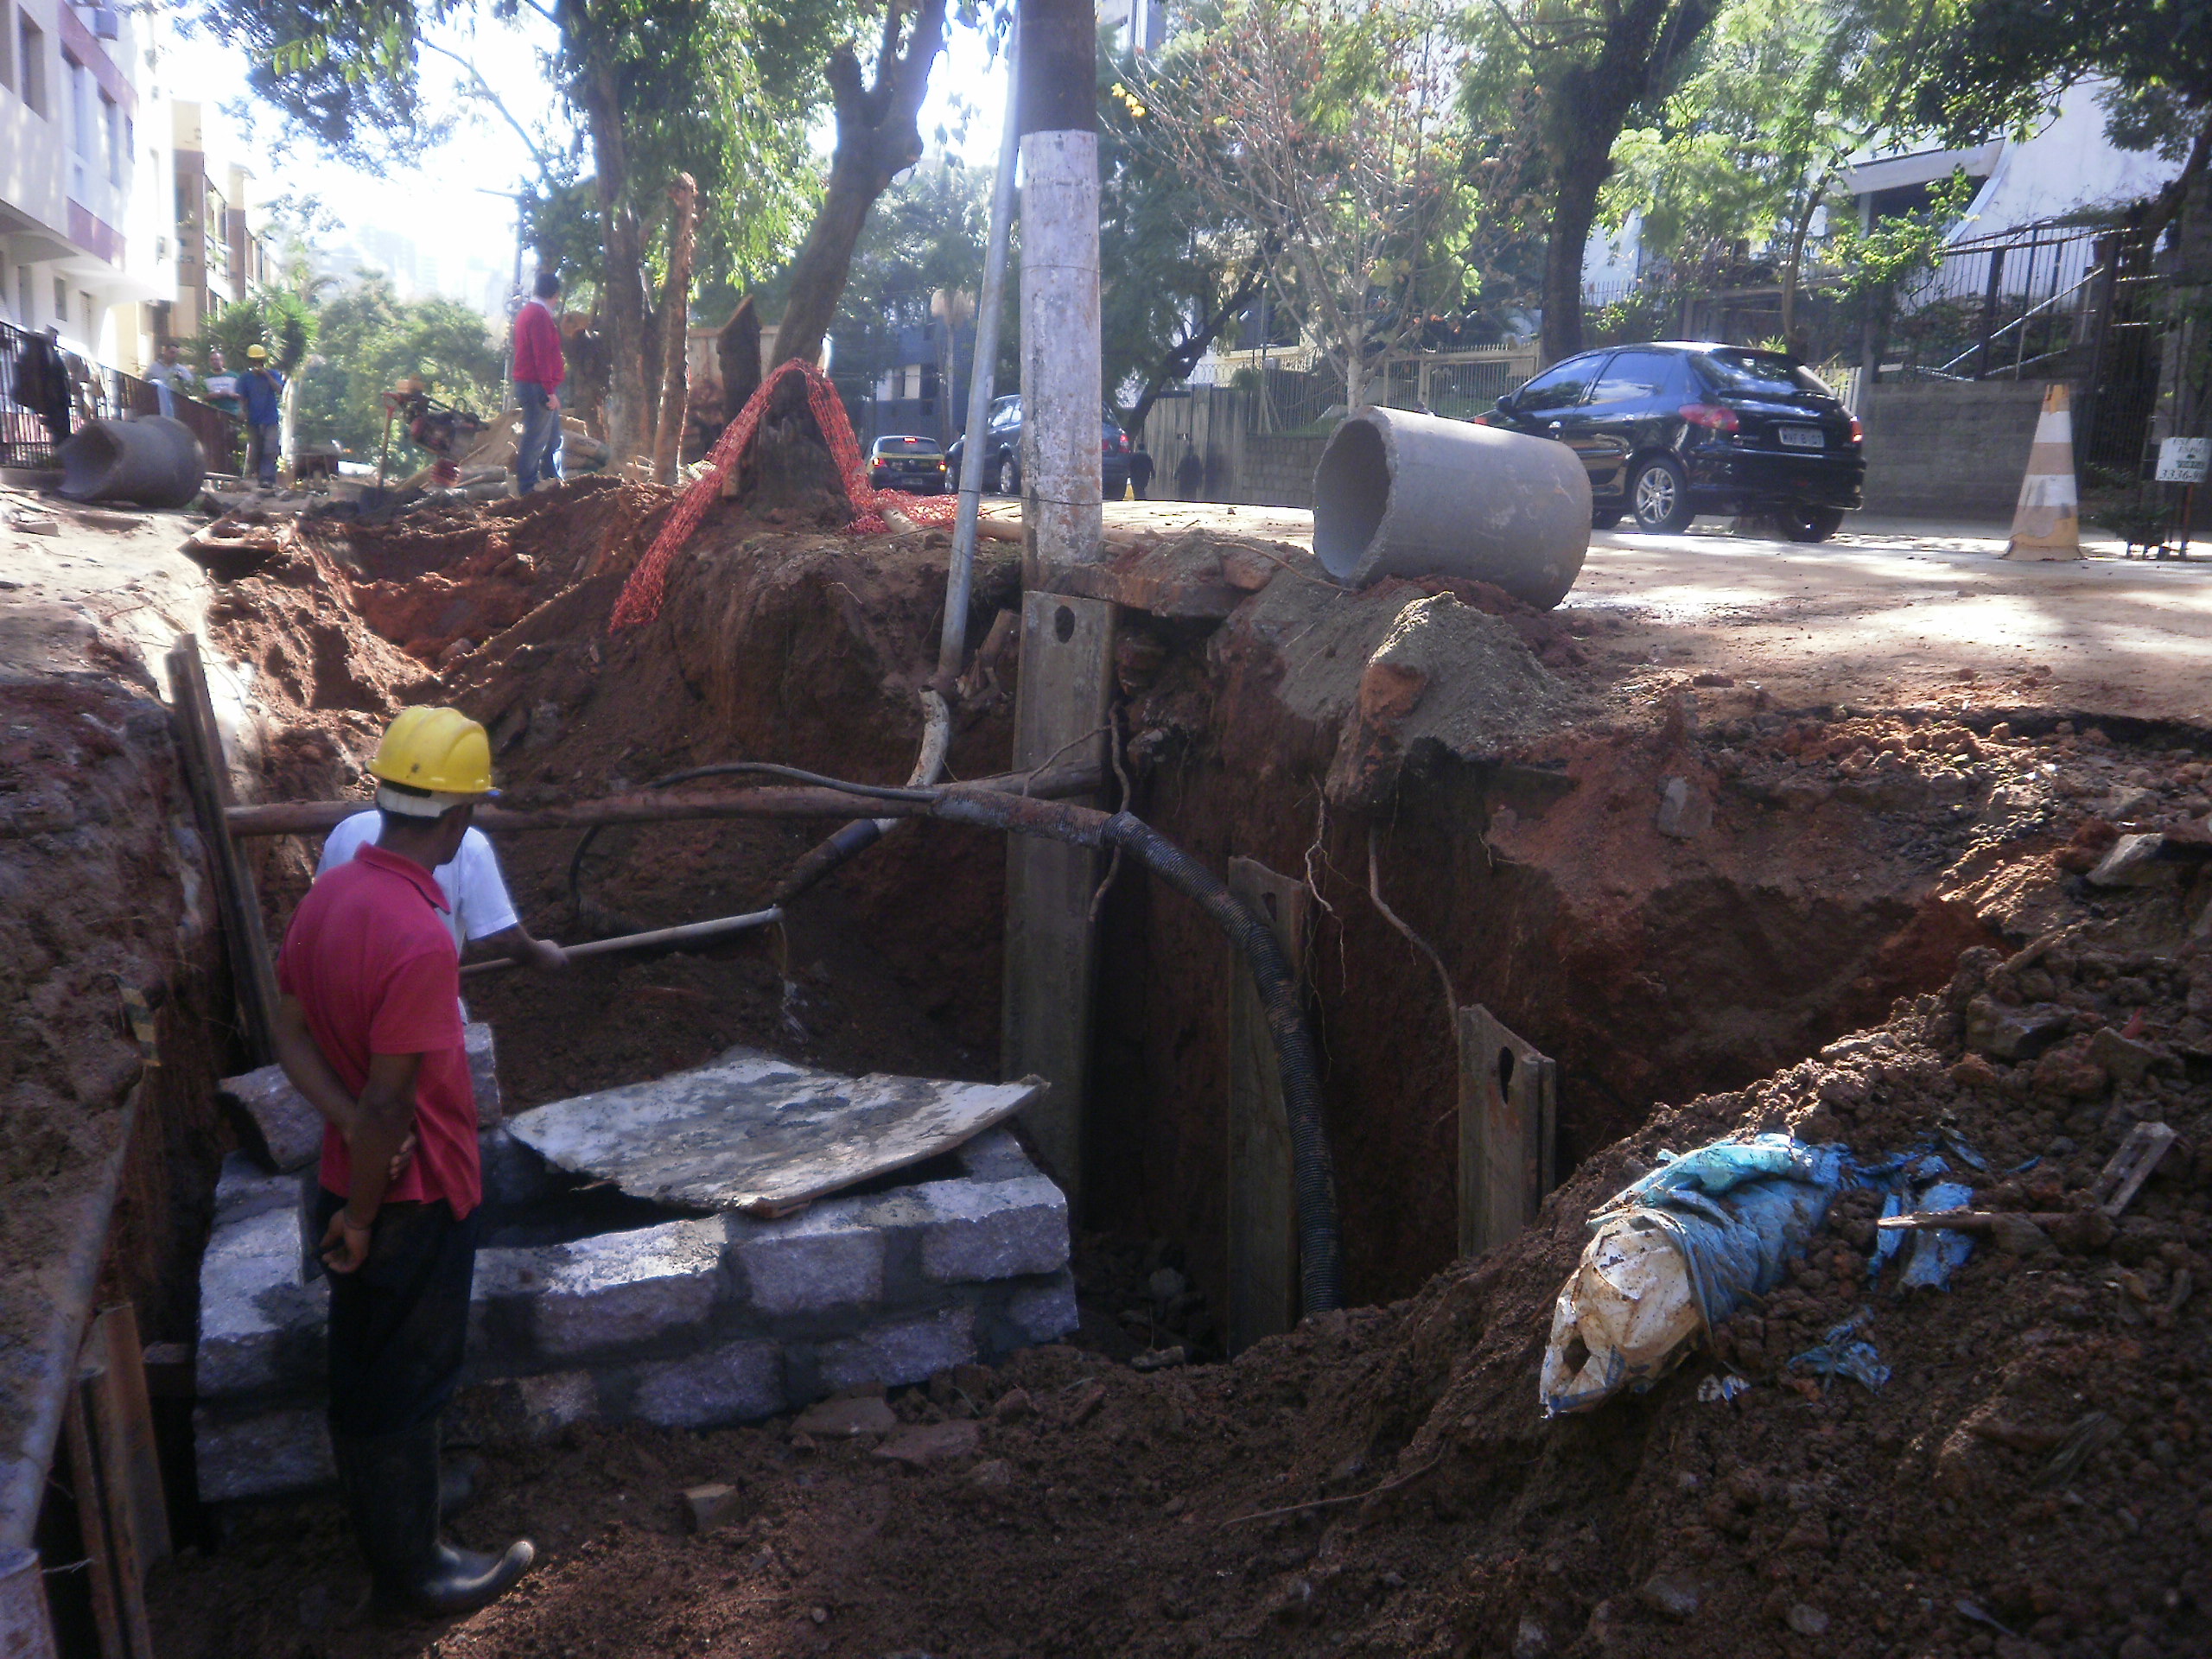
1676,889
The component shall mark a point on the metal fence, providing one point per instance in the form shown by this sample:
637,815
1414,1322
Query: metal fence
1458,384
29,435
2004,307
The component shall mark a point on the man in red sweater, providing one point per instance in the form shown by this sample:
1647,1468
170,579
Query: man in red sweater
368,1029
539,370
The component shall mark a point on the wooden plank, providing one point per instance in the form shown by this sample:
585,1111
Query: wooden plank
1262,1211
92,1521
127,1425
1066,686
199,747
1509,1112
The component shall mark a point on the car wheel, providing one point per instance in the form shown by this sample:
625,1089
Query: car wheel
1604,519
1660,497
1810,523
1009,476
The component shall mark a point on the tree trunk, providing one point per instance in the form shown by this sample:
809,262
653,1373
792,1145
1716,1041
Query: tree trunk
737,351
675,327
878,138
1575,209
1185,358
627,410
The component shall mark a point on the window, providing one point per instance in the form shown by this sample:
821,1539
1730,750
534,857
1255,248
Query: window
119,151
61,300
1559,388
7,51
1636,377
1766,372
30,55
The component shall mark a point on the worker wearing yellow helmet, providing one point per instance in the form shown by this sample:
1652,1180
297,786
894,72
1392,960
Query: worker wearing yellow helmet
261,386
369,1030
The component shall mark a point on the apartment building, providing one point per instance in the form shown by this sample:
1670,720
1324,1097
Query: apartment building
221,225
86,245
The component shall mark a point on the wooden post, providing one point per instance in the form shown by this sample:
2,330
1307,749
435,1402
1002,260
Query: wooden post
92,1519
1508,1107
1067,688
1262,1212
125,1423
199,745
26,1626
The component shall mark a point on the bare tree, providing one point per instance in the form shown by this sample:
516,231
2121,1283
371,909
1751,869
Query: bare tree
1325,127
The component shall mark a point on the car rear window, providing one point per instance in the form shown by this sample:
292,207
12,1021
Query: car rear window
1748,370
906,446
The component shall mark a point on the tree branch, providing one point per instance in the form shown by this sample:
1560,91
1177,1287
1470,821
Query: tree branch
483,91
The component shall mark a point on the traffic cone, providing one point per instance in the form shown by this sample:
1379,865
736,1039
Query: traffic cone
2047,523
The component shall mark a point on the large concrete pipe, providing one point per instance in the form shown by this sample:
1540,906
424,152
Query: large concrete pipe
153,460
1400,494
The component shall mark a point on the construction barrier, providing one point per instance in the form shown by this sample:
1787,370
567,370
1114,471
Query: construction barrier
2047,523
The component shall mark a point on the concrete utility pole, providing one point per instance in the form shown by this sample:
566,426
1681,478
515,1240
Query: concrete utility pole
1067,643
1061,397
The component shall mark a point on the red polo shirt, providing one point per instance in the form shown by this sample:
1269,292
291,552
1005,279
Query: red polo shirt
371,958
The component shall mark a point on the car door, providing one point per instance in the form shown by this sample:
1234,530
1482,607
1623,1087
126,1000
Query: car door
1547,406
1629,410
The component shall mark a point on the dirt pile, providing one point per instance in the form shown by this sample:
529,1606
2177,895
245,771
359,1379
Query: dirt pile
2028,1483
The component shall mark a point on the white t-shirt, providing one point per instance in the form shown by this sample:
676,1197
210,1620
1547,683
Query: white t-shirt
473,884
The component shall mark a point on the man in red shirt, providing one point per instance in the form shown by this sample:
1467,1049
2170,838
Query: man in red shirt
368,1029
539,370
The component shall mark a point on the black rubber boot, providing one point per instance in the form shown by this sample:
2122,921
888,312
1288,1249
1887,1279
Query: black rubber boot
456,1484
392,1488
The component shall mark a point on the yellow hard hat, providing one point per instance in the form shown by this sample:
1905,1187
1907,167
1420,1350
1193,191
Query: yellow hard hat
255,353
439,757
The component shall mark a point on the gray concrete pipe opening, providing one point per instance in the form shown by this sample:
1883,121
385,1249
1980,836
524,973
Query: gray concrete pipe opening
1401,494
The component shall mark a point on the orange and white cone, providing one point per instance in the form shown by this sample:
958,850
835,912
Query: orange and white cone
2047,523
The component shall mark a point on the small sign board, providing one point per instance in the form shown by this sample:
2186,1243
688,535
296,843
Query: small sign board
2183,461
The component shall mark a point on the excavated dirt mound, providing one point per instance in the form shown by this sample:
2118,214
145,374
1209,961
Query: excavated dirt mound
2029,1484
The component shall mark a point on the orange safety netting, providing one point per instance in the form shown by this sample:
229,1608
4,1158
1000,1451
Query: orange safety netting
641,596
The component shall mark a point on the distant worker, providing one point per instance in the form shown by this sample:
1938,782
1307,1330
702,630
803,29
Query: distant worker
479,910
539,370
221,386
263,389
368,1029
170,374
1141,471
43,383
1190,473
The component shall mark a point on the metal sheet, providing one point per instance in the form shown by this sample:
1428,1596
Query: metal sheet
760,1134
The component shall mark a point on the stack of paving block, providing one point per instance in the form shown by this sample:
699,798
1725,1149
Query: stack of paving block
668,1317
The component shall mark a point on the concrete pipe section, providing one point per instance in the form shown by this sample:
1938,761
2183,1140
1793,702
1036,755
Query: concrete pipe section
153,461
1400,494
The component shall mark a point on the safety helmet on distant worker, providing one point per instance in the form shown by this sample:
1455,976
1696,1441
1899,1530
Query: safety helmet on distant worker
256,353
431,760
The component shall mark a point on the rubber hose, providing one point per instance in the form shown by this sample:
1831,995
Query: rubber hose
1320,1279
1313,1175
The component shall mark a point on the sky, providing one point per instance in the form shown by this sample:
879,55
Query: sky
437,205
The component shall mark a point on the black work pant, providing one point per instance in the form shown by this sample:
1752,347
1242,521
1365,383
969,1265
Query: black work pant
399,1322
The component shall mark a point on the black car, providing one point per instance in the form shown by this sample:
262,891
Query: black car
1002,452
915,465
1669,430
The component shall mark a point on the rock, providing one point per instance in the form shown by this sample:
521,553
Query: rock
707,1507
924,1443
840,1419
1044,1313
910,1349
1676,1598
2128,1060
2135,862
1157,1359
455,651
483,1072
1530,1640
813,1263
1685,810
552,1401
2015,1235
289,1130
617,1289
999,1229
1807,1619
2005,1033
1014,1407
286,1450
730,1384
32,524
994,1474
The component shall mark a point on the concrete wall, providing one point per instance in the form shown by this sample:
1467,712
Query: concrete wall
1948,449
1246,469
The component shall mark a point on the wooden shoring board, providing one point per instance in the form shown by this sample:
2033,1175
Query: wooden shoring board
199,747
1509,1107
1263,1209
1061,706
125,1423
761,1135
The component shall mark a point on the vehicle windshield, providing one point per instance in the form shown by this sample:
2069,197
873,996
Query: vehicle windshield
1763,372
906,446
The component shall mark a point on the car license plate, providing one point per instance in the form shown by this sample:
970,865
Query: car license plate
1803,437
